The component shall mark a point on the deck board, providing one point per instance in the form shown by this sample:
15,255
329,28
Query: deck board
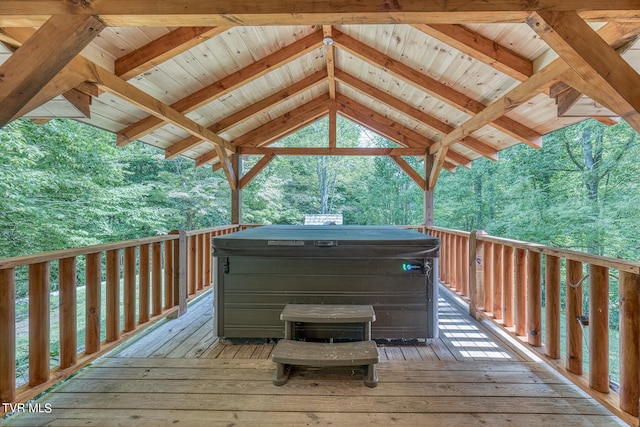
180,374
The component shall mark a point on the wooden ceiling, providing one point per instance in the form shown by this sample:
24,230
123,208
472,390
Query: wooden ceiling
450,81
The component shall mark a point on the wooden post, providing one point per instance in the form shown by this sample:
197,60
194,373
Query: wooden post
552,306
443,258
236,195
521,292
93,282
180,291
534,299
480,268
113,295
629,342
488,276
143,288
168,274
428,194
574,314
8,335
39,323
68,312
497,281
599,328
201,262
156,278
193,269
129,288
507,280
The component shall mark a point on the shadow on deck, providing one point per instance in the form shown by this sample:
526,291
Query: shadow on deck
179,374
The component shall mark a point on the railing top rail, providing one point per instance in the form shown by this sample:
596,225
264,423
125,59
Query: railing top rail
602,261
21,260
447,230
213,229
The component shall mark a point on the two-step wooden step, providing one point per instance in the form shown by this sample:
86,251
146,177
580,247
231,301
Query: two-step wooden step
357,353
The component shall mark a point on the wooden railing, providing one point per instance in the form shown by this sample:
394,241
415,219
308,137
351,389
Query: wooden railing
148,279
502,280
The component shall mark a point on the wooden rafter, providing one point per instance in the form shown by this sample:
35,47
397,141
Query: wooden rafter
40,58
225,85
593,60
472,143
277,128
80,100
199,13
249,112
410,171
163,49
443,92
262,163
611,33
390,129
481,48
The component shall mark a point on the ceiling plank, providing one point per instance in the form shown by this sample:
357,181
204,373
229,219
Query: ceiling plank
306,12
328,151
593,60
227,84
470,142
441,91
410,171
249,112
40,58
163,49
262,163
481,48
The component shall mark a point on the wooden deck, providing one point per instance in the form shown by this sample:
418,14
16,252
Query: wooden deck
178,374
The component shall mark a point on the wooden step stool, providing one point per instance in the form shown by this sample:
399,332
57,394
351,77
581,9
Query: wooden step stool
359,353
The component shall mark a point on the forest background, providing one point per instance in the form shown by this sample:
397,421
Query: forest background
65,184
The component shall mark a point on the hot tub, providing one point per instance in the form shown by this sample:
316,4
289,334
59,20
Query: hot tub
260,270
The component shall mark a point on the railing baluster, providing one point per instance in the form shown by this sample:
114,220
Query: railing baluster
574,315
599,328
200,252
68,312
193,258
507,280
129,288
552,306
459,264
93,283
143,285
7,335
113,295
39,323
207,258
168,274
156,278
488,276
534,299
629,342
497,281
465,266
521,292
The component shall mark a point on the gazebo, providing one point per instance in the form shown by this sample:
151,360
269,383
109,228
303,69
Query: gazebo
446,81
